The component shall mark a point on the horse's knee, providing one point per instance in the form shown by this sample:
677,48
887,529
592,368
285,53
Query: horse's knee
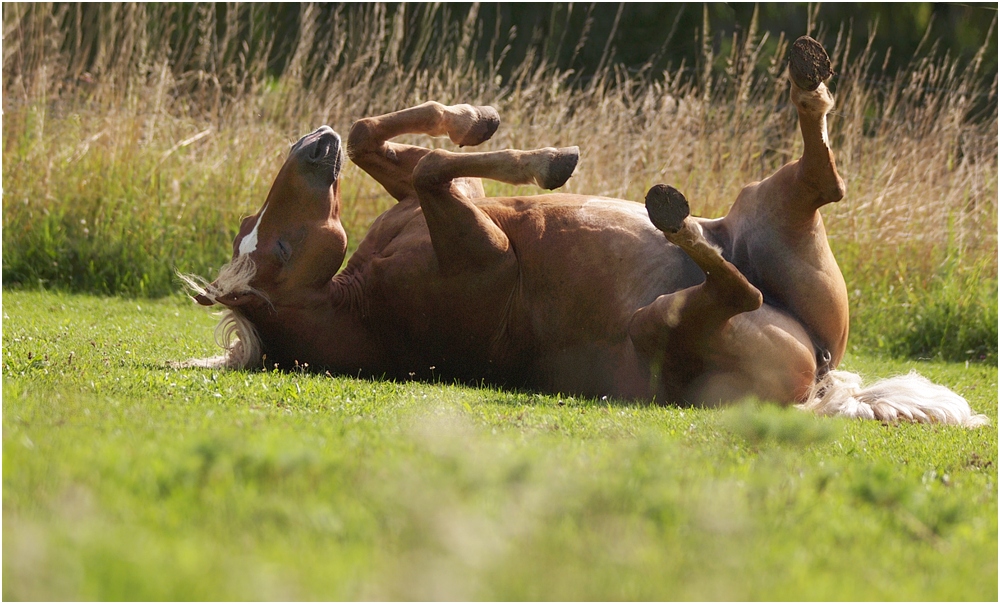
359,139
430,173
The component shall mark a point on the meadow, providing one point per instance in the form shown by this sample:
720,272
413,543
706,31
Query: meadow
126,479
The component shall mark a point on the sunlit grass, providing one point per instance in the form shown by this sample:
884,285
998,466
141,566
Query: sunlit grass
125,479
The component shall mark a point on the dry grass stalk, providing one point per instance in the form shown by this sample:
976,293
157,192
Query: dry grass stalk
919,150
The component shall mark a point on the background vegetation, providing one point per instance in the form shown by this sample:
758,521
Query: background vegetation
126,480
136,136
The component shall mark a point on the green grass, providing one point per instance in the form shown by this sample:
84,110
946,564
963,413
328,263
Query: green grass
949,314
125,479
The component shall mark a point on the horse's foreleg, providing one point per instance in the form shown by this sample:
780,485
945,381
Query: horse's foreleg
392,164
463,236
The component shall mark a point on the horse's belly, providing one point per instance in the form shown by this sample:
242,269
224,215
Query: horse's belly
588,267
555,319
583,270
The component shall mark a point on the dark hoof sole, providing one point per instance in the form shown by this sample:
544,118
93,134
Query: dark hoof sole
808,64
484,129
667,208
561,168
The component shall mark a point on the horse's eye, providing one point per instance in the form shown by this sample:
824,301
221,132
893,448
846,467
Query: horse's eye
284,251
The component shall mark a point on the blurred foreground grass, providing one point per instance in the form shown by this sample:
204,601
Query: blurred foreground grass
124,479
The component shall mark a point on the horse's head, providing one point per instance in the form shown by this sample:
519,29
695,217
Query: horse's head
291,248
285,255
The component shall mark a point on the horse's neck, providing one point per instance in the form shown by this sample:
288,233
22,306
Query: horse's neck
322,332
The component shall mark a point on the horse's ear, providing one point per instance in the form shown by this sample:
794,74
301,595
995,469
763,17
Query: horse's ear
203,300
233,299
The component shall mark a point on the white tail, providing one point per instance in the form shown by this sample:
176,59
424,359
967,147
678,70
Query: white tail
907,397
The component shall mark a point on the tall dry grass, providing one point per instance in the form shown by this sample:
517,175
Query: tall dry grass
135,136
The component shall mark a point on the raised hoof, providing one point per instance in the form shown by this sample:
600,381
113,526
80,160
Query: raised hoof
560,167
667,208
808,64
483,128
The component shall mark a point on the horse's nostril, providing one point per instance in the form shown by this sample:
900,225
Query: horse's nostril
326,144
322,148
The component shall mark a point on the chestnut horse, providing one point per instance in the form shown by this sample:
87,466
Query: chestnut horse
555,293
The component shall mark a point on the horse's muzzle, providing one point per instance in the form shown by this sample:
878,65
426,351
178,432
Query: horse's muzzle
321,148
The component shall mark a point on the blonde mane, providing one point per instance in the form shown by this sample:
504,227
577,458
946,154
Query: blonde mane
234,333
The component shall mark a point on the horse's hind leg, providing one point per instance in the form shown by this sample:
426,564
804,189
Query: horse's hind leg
699,310
793,194
774,233
676,331
715,342
809,68
392,164
463,236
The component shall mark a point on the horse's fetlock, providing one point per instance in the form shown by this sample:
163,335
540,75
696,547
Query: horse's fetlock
816,103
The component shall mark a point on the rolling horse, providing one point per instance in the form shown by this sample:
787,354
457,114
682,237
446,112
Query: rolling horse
566,293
